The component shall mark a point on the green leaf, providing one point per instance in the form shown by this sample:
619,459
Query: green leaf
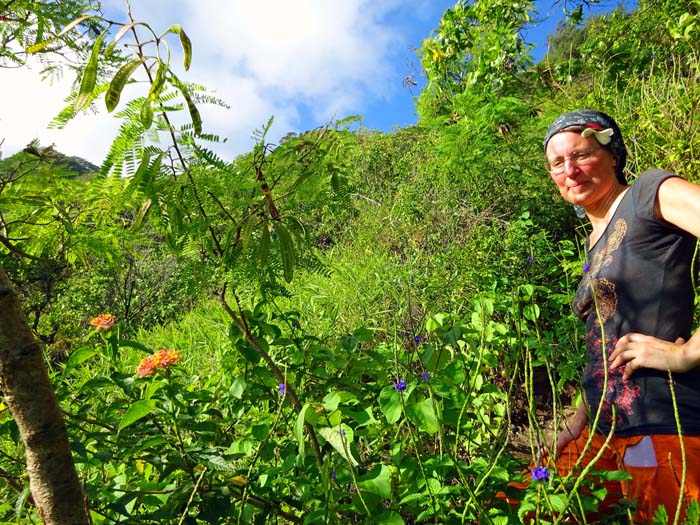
158,81
247,231
191,107
423,415
218,463
299,429
389,518
238,386
531,312
377,481
390,404
340,442
87,84
660,516
41,45
693,513
116,86
118,36
80,356
138,410
558,502
186,46
20,504
146,114
134,344
141,214
287,251
436,358
264,245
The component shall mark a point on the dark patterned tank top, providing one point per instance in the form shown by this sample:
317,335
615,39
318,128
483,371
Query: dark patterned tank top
640,269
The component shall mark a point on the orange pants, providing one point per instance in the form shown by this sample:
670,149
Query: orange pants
654,463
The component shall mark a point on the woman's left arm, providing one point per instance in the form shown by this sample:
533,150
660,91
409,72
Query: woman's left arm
645,351
677,202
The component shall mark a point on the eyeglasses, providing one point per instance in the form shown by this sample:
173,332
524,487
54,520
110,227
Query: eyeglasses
557,166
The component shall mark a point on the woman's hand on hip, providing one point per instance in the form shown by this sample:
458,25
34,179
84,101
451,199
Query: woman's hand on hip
635,351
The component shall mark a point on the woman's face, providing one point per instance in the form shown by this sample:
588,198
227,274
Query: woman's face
590,179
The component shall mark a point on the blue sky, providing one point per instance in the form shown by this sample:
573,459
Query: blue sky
303,61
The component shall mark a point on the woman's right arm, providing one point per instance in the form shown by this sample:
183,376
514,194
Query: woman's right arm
572,428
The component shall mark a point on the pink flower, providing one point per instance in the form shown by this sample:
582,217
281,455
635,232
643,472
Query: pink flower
161,359
103,322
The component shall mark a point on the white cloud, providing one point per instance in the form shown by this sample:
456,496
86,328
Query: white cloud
303,61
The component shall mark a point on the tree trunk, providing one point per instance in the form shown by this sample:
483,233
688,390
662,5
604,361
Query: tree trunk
25,385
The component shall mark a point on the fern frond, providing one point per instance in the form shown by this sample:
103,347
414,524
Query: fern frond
69,112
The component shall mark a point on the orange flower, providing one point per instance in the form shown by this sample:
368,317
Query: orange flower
161,359
103,322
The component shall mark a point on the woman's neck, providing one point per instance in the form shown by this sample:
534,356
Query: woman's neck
602,212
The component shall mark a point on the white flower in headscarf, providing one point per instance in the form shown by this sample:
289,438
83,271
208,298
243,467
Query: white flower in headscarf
603,137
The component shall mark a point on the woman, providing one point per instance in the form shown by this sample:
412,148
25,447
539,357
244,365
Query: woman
638,322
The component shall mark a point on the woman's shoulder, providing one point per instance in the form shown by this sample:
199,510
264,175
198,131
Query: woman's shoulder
652,177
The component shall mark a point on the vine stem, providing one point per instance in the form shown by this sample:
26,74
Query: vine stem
239,321
194,491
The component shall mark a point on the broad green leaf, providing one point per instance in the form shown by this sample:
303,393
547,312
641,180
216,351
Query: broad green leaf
377,481
116,86
80,356
238,386
87,84
138,410
390,404
299,429
558,502
422,414
340,439
216,462
531,312
436,358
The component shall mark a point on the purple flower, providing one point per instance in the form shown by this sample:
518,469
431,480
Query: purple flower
425,377
540,474
417,339
334,474
530,260
295,324
283,389
585,267
400,385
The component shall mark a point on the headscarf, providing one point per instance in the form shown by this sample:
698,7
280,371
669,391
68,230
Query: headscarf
598,124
